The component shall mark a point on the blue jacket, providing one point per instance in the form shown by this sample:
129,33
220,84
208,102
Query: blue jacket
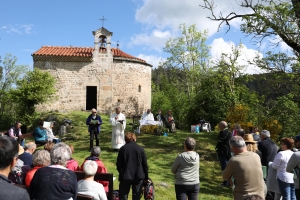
40,134
91,126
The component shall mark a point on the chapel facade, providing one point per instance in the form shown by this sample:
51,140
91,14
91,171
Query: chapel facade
98,77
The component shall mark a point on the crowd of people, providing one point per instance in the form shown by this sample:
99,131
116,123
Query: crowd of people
245,157
250,162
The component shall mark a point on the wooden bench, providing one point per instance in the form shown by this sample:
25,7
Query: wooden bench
84,197
100,177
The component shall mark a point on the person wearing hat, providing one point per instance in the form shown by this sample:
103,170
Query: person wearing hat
9,150
251,144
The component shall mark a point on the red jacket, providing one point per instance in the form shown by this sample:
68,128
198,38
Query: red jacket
30,175
101,169
72,165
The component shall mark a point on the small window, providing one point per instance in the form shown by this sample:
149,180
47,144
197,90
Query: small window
140,88
119,100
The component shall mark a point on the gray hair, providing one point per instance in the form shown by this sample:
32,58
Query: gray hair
60,154
224,124
190,143
237,141
237,126
94,110
30,145
90,168
41,158
241,132
96,151
265,133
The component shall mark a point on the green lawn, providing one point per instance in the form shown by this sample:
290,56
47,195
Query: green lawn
161,152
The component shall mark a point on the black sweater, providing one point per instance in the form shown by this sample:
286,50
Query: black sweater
132,162
51,183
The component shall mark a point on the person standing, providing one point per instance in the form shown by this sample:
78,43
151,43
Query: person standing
223,148
118,122
9,149
94,122
284,178
267,147
245,168
186,170
15,132
132,167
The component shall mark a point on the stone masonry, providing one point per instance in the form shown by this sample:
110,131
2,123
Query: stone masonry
121,80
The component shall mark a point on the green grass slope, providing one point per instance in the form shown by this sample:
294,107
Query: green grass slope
161,152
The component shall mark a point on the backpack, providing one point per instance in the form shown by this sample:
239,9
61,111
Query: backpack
149,190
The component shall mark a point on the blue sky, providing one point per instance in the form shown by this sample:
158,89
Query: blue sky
141,26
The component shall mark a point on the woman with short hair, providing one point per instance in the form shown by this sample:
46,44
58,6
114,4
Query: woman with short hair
88,186
186,170
285,179
40,159
55,181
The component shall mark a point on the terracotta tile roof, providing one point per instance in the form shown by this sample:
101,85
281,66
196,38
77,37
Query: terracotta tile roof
83,52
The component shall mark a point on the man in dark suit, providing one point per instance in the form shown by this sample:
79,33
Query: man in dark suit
267,147
223,148
9,149
132,167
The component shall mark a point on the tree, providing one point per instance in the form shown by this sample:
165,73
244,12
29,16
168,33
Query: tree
189,56
10,73
266,19
36,87
287,113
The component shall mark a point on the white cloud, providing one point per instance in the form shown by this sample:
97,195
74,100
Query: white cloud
155,40
171,13
20,29
219,46
152,59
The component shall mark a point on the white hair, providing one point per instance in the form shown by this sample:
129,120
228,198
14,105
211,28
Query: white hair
60,154
30,145
237,141
90,168
265,133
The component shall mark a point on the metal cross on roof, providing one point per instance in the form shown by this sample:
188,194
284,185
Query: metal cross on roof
102,20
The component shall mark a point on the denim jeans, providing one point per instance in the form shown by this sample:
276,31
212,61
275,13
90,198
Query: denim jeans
223,163
124,189
287,190
190,191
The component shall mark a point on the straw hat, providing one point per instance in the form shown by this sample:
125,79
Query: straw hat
21,150
249,138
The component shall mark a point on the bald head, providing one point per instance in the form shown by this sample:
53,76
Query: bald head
223,125
30,147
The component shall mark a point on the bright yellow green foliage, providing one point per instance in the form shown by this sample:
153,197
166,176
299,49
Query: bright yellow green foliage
239,114
273,126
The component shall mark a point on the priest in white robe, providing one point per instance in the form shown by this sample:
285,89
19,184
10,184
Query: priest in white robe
118,122
148,116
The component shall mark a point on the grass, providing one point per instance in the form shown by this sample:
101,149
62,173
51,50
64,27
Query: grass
161,152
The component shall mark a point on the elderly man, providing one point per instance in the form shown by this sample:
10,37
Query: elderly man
246,170
223,148
94,121
148,115
26,157
118,122
267,147
9,149
240,132
15,132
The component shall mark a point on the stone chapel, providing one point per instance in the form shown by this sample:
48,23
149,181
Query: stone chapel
98,77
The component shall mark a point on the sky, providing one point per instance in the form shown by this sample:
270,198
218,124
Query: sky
140,27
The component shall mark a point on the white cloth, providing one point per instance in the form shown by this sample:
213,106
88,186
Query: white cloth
272,183
117,136
147,116
92,188
149,122
280,163
50,134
